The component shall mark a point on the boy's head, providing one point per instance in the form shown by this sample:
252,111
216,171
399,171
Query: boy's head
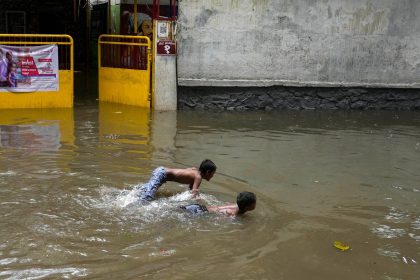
207,169
246,201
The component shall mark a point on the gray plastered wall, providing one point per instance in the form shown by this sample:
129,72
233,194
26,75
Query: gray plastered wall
325,43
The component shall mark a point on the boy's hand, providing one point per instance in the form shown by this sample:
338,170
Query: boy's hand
195,193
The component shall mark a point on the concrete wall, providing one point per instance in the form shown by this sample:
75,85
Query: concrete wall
368,43
165,89
164,85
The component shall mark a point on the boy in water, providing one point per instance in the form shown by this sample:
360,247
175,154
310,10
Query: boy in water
191,176
245,201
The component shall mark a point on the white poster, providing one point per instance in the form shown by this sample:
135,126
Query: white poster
28,69
162,30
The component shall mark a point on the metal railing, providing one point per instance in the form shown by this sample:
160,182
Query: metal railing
64,42
123,51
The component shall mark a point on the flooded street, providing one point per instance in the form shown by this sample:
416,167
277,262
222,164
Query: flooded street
67,209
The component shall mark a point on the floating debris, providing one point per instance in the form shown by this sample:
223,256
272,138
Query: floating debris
341,246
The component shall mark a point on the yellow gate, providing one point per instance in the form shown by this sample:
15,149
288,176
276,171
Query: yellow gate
124,69
43,99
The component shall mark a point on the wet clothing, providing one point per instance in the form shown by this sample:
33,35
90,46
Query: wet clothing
195,208
148,191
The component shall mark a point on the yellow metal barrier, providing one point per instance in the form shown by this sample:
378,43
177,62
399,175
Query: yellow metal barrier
124,69
63,98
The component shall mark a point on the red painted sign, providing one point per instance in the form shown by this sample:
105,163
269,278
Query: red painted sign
166,48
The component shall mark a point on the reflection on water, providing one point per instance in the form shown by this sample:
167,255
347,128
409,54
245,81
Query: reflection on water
39,136
36,129
68,208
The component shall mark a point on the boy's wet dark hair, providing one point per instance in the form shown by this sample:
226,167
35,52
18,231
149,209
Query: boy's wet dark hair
207,165
245,200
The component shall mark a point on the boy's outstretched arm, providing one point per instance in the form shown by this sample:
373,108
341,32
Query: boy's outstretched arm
196,185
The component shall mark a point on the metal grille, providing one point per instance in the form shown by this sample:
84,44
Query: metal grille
128,52
64,42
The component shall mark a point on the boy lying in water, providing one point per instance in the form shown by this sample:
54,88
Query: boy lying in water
245,201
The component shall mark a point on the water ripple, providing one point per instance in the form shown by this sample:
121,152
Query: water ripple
38,273
385,231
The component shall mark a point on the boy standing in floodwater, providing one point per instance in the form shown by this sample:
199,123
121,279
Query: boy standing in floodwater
191,176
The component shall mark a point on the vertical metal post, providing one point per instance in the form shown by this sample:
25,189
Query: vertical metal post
109,21
156,9
88,19
99,51
75,10
135,17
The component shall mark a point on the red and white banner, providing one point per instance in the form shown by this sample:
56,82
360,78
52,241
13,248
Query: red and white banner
28,69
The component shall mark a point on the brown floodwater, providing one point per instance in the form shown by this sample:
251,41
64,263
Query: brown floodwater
68,211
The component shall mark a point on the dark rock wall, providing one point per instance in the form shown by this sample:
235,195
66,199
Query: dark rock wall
296,98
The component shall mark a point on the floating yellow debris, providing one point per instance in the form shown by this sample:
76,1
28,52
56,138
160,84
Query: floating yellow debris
341,246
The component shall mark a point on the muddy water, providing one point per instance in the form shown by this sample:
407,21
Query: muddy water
68,211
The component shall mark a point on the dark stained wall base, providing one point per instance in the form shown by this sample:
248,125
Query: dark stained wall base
296,98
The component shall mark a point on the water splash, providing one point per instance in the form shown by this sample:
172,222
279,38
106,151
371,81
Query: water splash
389,251
397,216
8,173
163,253
38,273
416,223
125,205
384,231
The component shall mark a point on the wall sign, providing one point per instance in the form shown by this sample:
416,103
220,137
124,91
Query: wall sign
166,48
